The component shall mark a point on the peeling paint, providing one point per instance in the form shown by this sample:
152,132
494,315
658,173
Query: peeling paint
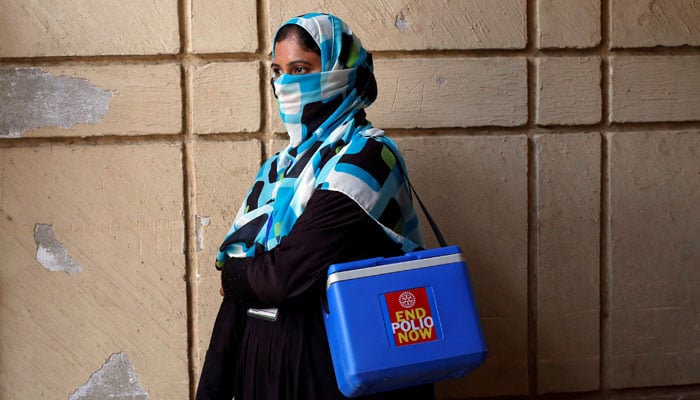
50,252
115,380
401,22
31,98
201,223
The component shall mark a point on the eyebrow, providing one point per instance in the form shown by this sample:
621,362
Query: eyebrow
292,63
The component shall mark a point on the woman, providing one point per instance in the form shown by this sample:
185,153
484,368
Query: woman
336,193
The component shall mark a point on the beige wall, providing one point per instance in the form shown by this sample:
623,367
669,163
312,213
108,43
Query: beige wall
556,141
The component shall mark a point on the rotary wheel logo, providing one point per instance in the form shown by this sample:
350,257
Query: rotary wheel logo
407,299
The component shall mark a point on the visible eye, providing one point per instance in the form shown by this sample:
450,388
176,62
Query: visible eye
299,70
275,72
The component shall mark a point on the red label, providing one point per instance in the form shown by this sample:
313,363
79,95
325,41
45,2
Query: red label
410,316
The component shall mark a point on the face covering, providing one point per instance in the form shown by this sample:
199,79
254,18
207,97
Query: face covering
310,104
332,146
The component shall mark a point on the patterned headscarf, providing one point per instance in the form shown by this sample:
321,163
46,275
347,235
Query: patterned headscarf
331,147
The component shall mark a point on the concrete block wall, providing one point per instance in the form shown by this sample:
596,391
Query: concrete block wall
556,141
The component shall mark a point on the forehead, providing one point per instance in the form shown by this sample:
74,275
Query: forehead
326,31
290,49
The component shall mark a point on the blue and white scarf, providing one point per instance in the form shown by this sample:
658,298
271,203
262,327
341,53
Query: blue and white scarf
331,147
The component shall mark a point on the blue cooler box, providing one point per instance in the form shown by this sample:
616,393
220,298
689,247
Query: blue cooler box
402,321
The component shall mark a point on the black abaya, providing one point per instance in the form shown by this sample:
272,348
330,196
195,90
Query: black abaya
257,359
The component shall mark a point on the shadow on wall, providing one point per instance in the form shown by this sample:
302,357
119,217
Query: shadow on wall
477,192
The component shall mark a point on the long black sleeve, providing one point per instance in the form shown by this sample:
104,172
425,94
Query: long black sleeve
290,358
332,229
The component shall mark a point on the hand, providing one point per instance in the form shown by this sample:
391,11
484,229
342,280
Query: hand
221,292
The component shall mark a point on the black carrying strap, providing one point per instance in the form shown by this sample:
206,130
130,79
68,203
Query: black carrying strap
438,235
431,221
